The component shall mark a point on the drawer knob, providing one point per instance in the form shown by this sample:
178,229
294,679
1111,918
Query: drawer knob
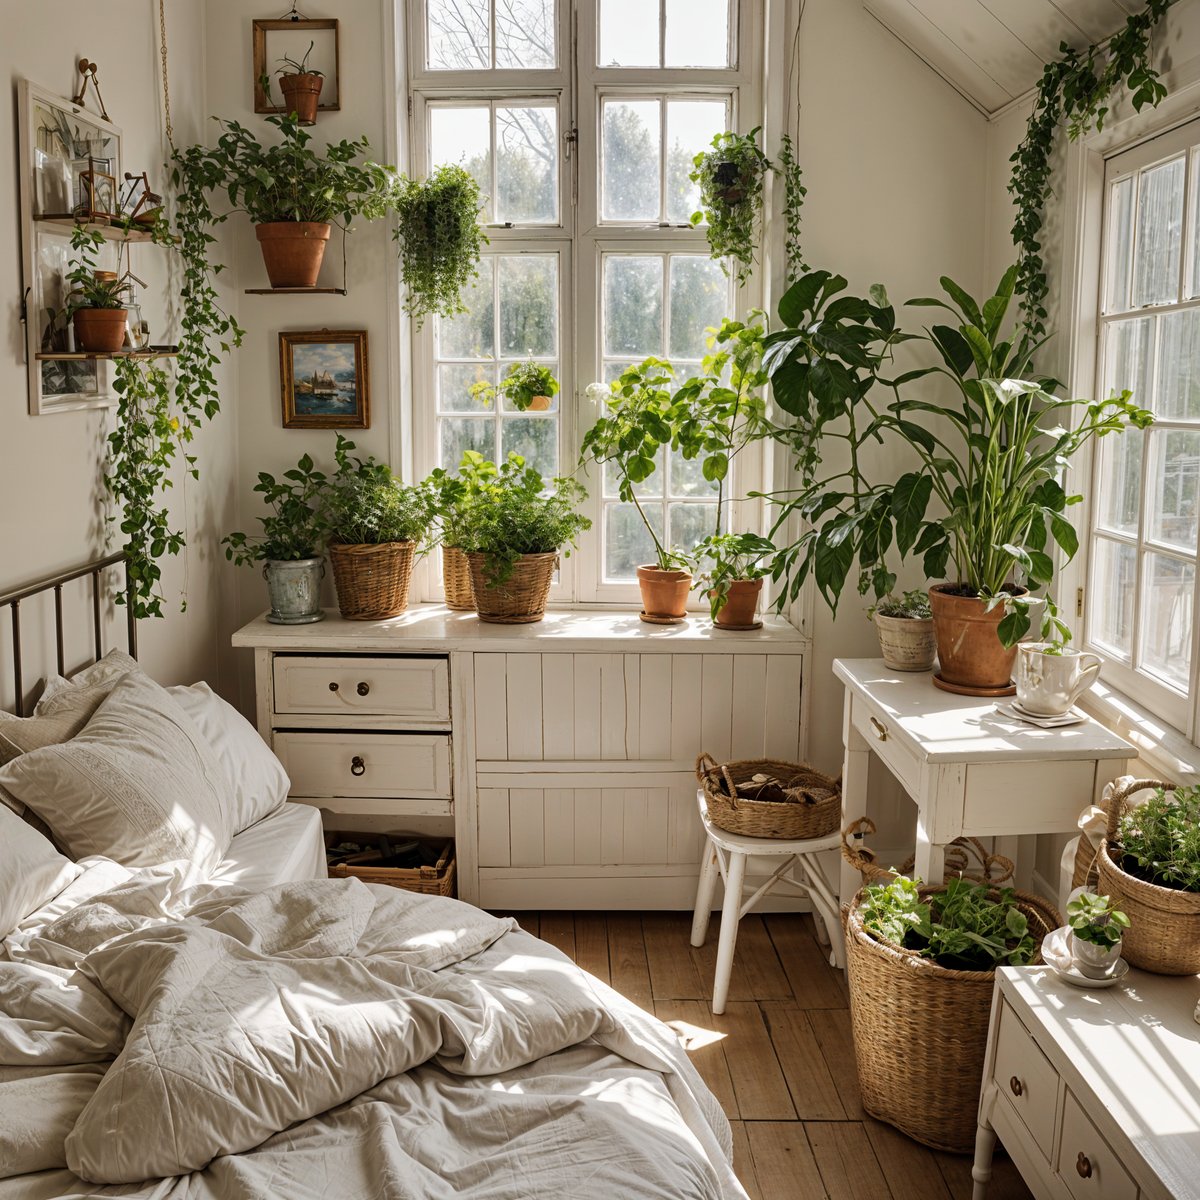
363,689
1083,1165
881,730
1016,1086
333,687
357,766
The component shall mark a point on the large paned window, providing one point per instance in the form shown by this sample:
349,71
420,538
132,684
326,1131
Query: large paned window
580,124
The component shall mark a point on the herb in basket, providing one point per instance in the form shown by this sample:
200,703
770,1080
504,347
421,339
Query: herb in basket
1161,840
962,927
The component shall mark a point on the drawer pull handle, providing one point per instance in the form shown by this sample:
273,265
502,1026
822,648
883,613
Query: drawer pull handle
1083,1165
333,687
363,689
1016,1086
881,730
357,766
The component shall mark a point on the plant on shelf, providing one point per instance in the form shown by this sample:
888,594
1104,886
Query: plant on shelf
984,496
291,542
454,496
904,626
300,85
736,564
96,301
528,386
1097,927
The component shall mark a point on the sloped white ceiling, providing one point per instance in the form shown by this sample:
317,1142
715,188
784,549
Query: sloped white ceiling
992,51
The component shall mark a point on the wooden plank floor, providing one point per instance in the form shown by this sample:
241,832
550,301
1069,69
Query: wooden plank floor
779,1059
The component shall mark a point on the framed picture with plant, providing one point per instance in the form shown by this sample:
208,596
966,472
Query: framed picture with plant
295,45
324,379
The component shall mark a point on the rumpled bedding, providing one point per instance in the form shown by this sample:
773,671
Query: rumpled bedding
327,1039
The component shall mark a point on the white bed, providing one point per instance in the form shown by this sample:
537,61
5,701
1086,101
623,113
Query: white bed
286,846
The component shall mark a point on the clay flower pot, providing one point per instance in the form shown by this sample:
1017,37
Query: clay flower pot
740,607
292,251
973,661
664,594
301,93
907,643
99,330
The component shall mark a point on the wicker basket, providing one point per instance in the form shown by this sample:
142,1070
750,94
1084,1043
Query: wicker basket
1164,923
372,581
521,598
920,1031
456,580
965,856
437,880
814,814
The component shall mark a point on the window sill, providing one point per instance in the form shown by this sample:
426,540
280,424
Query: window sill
1165,750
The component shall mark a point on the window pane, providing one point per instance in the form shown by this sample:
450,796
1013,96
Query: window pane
527,163
627,545
691,125
459,134
525,34
1174,469
459,434
629,160
454,386
699,299
1194,288
687,476
651,486
633,304
629,33
528,305
1128,362
458,35
1179,366
1166,648
1159,232
689,523
697,33
1114,572
535,439
1120,482
1120,233
471,334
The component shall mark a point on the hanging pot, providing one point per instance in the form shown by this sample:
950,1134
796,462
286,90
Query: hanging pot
973,661
301,94
99,330
292,251
295,588
729,188
664,594
738,611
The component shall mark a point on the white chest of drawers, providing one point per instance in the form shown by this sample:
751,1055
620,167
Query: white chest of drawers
1095,1094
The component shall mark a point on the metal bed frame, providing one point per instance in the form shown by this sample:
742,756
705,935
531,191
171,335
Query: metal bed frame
12,601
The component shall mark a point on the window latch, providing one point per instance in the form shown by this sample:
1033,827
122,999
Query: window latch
570,139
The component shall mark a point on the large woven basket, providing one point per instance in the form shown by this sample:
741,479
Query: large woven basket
437,880
967,857
372,581
815,812
456,580
920,1031
521,598
1164,923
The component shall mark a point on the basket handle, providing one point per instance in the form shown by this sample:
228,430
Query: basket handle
859,857
706,765
1116,806
994,869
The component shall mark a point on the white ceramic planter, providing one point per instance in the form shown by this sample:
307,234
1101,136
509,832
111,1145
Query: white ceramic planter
1049,684
1091,960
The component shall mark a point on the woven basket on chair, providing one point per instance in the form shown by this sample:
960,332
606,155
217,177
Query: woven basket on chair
814,813
920,1031
521,598
372,581
1164,923
967,857
456,580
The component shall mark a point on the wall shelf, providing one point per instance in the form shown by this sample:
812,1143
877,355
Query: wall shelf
297,291
97,356
110,232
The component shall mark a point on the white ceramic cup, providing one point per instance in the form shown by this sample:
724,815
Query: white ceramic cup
1049,684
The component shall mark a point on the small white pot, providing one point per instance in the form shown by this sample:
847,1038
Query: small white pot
1091,960
907,643
1049,684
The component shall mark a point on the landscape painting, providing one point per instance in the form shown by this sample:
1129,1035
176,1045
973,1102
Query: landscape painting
324,379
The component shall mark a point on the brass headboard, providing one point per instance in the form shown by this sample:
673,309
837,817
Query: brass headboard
12,601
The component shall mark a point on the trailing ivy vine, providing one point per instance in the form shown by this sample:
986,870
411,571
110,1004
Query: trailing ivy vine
1076,87
794,192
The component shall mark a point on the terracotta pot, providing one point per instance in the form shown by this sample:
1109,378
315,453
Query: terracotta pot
539,404
99,330
664,593
738,611
907,643
292,251
300,96
972,659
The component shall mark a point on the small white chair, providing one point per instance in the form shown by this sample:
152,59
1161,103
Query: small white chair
727,853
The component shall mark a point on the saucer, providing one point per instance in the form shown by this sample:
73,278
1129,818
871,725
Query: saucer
1012,709
1058,958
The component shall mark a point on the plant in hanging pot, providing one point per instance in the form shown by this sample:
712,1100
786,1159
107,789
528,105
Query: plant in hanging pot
289,547
1097,927
527,387
730,178
512,534
300,85
454,496
737,564
905,628
97,299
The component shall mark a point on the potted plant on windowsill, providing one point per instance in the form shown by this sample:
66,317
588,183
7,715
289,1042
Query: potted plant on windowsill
1097,927
733,580
528,387
301,86
290,544
96,302
905,629
454,496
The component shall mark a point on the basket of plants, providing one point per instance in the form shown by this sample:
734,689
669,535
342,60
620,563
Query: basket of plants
1149,865
769,798
920,962
425,865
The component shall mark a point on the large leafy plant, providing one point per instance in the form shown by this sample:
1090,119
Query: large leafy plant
365,504
1161,839
295,527
454,495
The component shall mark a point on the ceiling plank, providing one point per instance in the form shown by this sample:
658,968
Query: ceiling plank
1040,25
1097,18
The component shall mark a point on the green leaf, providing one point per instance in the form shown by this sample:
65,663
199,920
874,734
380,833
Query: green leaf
910,498
1065,535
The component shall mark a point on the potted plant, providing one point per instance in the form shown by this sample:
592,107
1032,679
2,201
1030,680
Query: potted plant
301,86
97,299
512,533
984,497
375,526
730,178
528,387
905,629
454,495
738,563
1097,927
289,546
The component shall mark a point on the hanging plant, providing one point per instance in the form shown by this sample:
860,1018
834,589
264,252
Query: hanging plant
794,192
440,240
1076,87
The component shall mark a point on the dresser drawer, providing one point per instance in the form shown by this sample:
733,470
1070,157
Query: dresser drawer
415,765
1086,1164
881,735
414,689
1026,1079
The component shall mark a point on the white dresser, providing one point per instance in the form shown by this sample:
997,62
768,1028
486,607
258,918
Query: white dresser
1095,1094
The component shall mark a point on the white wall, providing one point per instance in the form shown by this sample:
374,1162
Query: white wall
49,466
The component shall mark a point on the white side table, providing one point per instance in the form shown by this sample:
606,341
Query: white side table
969,770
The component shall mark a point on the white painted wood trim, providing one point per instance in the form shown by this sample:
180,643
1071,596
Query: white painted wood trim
466,806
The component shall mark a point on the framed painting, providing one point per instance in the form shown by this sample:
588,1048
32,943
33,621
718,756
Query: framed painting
325,380
292,37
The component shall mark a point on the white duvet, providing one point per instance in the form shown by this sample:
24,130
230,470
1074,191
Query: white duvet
328,1039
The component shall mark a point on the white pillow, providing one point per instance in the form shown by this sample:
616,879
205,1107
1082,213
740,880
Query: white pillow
101,677
256,783
139,784
32,872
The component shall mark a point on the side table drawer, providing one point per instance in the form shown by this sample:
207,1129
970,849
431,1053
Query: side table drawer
413,688
1026,1079
881,736
366,764
1086,1163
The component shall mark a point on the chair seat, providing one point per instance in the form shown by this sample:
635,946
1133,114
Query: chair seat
741,844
